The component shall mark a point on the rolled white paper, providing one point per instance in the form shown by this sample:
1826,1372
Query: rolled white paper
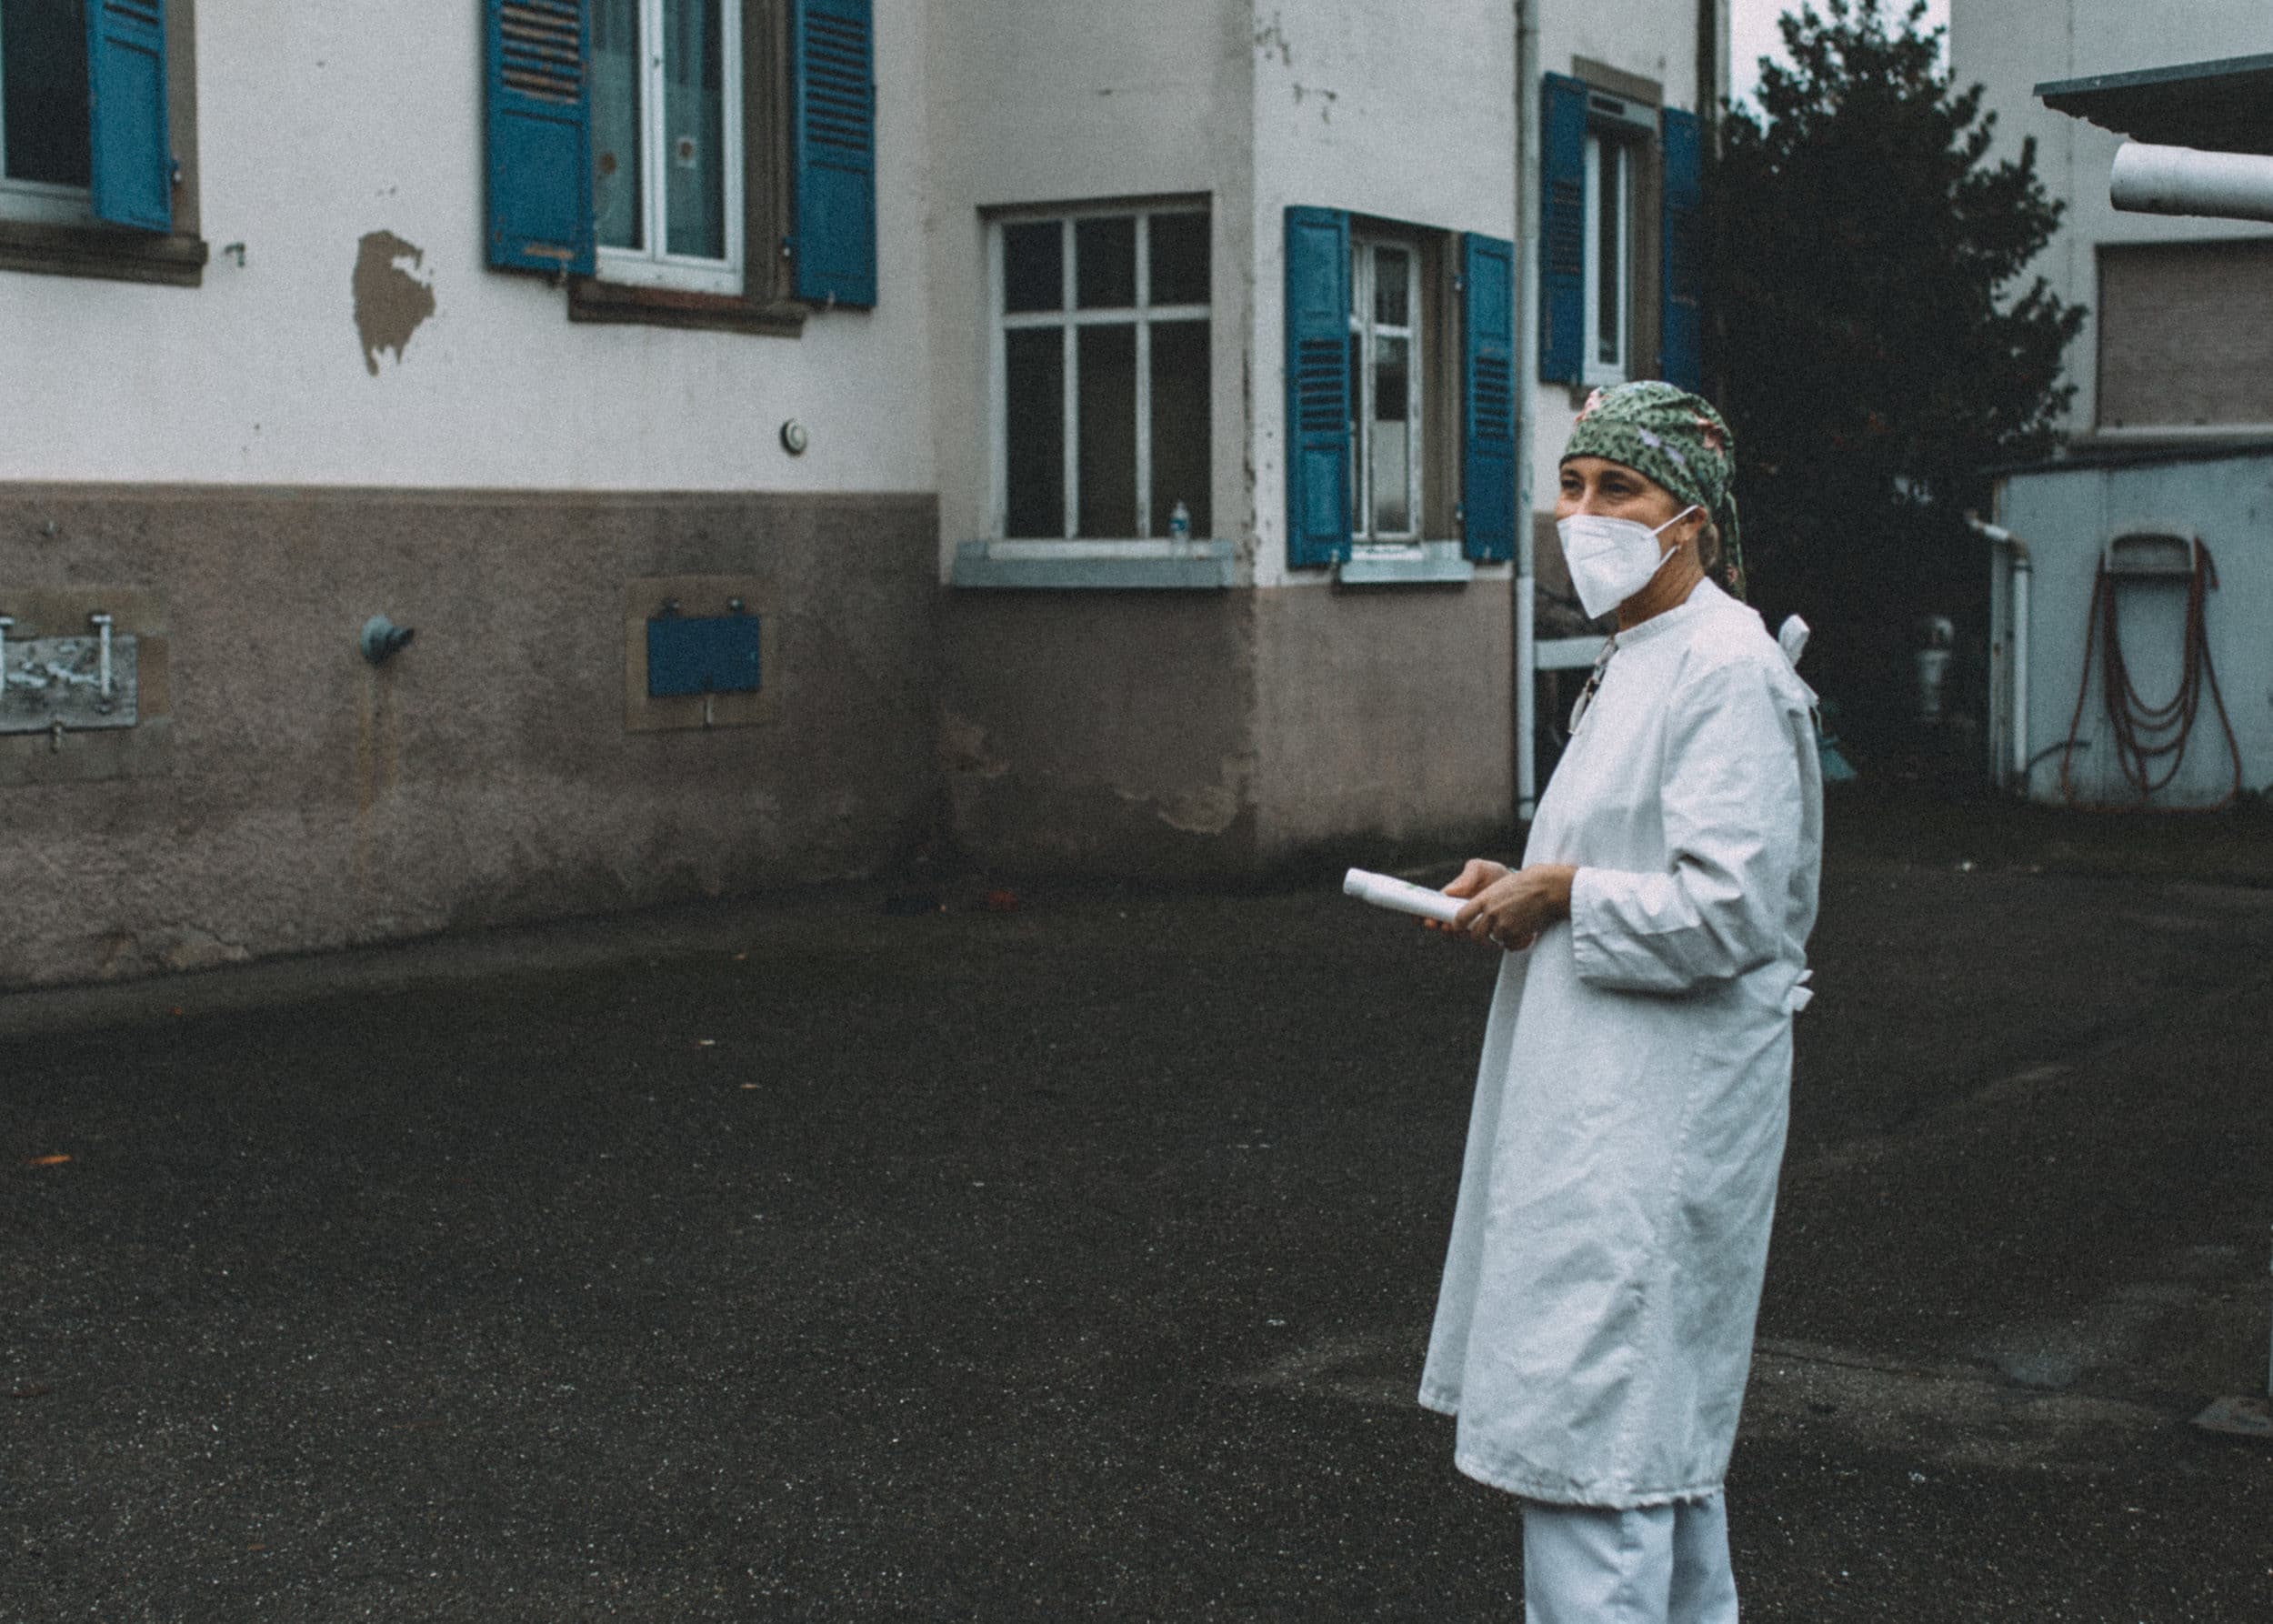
1385,890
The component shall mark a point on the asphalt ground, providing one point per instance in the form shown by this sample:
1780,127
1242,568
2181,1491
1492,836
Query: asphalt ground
796,1260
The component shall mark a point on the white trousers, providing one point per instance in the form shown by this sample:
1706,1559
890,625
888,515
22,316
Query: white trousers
1659,1565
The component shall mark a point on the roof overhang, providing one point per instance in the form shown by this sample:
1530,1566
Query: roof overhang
2225,105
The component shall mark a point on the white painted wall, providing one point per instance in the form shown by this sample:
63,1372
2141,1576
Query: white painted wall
2012,45
1361,107
1037,103
319,124
258,375
1656,39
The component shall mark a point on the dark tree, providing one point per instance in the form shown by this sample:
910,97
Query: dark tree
1875,345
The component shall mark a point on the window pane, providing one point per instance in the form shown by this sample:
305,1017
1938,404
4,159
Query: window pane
693,129
619,207
1609,262
1034,425
1107,470
1033,265
1179,425
1178,252
1104,263
1392,447
1392,287
43,86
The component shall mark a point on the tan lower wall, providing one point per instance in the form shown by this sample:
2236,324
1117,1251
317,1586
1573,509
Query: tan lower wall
1099,731
1387,717
491,771
1225,733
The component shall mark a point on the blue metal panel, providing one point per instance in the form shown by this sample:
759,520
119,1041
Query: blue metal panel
1317,387
1488,370
833,120
540,135
1681,313
1562,231
131,156
702,654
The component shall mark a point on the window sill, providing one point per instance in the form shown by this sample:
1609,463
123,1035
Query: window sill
1565,653
591,299
115,253
1059,566
1425,563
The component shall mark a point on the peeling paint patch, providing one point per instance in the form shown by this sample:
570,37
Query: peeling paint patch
963,748
1211,810
391,298
1273,38
119,954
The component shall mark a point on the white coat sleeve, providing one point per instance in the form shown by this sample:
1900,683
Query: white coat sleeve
1731,805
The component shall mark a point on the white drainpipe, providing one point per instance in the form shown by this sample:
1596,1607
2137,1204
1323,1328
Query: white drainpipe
2179,180
1526,369
2018,569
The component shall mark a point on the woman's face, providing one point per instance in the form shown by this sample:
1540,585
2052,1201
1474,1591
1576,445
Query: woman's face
1596,485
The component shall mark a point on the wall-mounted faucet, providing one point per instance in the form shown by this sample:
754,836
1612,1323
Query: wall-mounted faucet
382,639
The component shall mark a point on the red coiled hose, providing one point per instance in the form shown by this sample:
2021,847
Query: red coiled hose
2150,740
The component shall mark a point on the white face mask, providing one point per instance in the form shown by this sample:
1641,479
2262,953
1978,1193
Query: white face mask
1610,558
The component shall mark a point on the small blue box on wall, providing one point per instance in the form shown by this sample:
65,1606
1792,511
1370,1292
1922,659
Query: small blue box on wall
702,654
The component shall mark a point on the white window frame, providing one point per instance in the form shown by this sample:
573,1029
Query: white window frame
1603,146
39,200
1364,249
1068,315
653,267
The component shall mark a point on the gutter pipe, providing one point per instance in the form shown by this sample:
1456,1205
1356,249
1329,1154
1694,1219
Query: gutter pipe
2177,180
1526,386
2020,568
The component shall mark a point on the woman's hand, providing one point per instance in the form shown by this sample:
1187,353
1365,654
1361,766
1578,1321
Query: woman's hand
1479,872
1510,910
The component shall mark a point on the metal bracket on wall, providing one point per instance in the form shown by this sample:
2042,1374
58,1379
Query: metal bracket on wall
67,685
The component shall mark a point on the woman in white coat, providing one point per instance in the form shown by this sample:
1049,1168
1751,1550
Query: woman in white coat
1594,1329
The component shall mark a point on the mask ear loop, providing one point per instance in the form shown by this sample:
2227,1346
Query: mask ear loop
1672,552
1677,519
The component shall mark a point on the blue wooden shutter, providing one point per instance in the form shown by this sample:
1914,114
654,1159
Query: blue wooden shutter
1563,232
540,135
1681,317
1317,387
132,156
1487,395
832,114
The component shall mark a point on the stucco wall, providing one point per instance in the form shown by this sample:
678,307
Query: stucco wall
1225,733
1385,715
1358,107
487,772
1036,103
1101,731
1651,39
320,126
2011,46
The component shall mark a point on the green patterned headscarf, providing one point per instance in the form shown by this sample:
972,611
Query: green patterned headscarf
1676,438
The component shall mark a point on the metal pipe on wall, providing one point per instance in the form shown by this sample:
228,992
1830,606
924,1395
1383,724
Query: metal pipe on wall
2018,569
1526,385
2177,180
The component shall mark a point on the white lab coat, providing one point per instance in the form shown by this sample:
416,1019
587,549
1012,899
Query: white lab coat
1594,1329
